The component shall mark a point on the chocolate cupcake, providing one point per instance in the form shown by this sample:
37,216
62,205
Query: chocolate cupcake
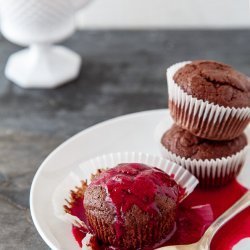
132,206
214,163
209,99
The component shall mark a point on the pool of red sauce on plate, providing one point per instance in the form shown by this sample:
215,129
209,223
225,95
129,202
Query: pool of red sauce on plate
220,199
193,221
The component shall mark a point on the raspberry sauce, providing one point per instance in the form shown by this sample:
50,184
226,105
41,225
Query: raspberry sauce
195,214
220,200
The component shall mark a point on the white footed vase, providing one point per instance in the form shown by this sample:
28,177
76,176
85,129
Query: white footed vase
38,24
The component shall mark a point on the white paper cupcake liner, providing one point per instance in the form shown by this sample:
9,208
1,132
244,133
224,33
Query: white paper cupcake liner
202,118
215,172
83,172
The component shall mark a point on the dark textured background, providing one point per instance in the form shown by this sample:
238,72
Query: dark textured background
122,72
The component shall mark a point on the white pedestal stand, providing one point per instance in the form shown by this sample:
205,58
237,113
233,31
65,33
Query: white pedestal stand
43,66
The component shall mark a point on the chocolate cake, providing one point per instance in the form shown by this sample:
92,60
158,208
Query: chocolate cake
132,206
214,163
209,99
184,144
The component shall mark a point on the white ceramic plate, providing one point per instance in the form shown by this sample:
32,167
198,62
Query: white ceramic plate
134,132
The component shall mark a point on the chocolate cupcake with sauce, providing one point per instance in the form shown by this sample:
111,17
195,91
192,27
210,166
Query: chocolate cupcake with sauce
214,163
209,99
132,206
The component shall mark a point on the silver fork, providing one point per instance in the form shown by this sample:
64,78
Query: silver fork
204,242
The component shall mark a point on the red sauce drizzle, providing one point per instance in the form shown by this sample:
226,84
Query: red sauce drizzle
195,213
75,207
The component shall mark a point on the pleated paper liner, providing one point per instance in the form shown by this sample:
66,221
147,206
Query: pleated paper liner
211,173
84,171
202,118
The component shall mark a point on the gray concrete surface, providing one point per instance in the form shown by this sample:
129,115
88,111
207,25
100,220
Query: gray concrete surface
122,72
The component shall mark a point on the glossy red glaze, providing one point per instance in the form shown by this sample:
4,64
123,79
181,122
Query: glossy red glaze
220,200
77,209
195,214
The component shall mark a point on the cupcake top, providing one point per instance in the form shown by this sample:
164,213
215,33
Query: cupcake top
215,82
139,182
184,144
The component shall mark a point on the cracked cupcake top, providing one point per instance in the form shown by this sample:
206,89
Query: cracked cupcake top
215,82
184,144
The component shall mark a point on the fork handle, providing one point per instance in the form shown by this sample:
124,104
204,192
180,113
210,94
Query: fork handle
241,204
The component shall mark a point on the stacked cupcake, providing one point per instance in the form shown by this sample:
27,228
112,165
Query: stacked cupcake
210,104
